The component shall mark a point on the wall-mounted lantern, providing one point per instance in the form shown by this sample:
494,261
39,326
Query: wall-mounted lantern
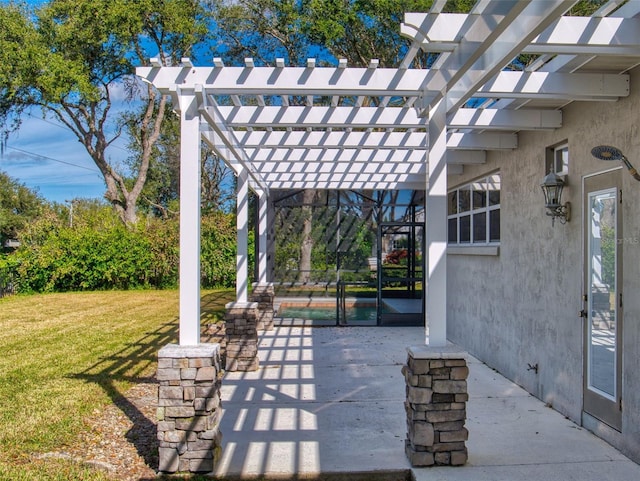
552,186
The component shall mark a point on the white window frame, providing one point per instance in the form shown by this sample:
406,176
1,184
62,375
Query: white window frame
473,211
560,162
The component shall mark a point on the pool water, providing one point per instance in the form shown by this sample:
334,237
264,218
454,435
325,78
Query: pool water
358,313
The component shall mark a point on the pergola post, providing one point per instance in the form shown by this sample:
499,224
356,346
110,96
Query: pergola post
262,237
436,227
189,411
263,291
189,222
242,224
436,374
271,241
241,317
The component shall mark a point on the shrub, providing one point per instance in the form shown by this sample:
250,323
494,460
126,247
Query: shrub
54,257
98,252
164,244
218,250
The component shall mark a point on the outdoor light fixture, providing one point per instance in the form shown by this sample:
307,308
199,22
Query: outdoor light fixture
606,152
552,186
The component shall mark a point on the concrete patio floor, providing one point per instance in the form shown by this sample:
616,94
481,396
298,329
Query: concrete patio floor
329,400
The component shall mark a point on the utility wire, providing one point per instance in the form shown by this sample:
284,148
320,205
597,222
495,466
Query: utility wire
33,154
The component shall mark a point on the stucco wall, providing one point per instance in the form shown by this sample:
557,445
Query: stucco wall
521,307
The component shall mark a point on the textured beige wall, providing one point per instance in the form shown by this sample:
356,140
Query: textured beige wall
521,307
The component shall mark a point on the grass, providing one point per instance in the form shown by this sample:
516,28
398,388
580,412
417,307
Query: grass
63,356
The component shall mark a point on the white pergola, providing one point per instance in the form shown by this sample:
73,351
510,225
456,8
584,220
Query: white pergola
390,128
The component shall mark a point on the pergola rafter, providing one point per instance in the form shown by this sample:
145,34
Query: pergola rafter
301,127
323,117
238,129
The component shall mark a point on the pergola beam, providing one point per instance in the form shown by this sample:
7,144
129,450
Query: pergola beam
301,169
217,124
346,180
470,65
327,139
302,155
534,18
483,141
309,141
291,81
301,144
464,157
213,140
462,150
571,86
378,117
503,119
554,85
567,35
275,164
322,116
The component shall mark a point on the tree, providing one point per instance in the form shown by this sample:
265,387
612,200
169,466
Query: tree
161,192
261,29
74,58
18,206
360,30
357,30
306,247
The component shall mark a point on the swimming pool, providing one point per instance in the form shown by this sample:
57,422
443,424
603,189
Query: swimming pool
327,313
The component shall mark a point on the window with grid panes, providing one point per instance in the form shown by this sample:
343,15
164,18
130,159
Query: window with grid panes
474,212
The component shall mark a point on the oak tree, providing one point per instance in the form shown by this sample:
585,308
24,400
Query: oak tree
76,59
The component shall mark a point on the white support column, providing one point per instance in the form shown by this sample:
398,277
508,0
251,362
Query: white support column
271,241
242,224
262,237
189,221
436,227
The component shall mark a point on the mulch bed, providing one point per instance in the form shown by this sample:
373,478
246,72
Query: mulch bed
121,440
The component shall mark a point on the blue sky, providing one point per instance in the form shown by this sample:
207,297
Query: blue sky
47,157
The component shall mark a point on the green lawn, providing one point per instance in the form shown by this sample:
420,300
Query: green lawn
62,356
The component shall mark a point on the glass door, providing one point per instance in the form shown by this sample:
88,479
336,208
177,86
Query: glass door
401,275
603,298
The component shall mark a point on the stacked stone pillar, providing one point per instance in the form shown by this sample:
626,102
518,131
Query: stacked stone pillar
189,409
241,331
263,294
436,380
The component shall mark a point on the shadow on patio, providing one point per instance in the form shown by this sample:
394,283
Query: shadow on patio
331,400
325,400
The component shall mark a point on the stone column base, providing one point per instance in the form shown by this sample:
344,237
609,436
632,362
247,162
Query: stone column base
436,406
263,294
189,409
241,319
